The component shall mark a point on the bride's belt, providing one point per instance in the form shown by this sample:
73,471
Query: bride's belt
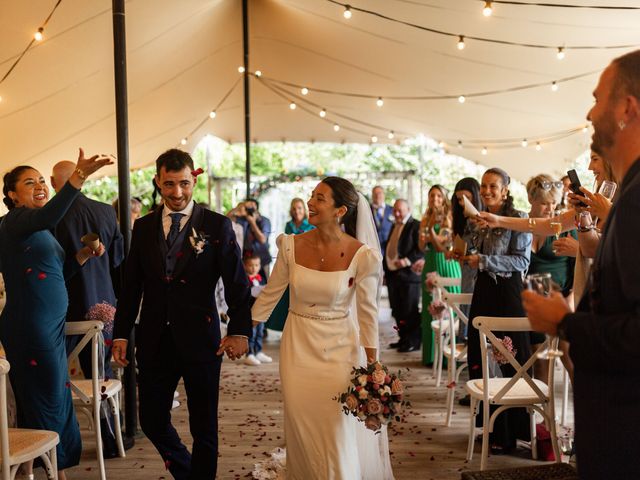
319,317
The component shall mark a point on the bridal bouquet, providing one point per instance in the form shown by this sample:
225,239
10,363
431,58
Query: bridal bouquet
374,396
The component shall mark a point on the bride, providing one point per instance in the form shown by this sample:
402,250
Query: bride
333,273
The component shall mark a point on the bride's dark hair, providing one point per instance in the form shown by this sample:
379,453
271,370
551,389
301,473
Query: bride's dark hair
345,194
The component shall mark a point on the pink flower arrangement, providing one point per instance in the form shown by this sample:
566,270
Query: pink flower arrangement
102,312
497,354
430,281
437,308
374,396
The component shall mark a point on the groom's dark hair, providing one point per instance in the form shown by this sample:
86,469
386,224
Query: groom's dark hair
174,160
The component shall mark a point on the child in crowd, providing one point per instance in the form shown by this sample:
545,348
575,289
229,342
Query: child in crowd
252,268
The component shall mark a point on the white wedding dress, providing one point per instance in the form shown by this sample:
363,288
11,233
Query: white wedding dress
321,342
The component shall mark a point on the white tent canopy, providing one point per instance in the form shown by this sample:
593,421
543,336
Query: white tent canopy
184,56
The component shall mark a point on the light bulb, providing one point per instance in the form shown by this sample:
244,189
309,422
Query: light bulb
461,99
487,10
585,129
304,91
347,12
560,53
336,127
484,151
390,135
554,87
459,143
538,147
524,143
183,141
38,36
258,73
240,69
441,144
461,42
292,105
323,113
379,102
212,114
374,139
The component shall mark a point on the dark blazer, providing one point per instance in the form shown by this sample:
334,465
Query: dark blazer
408,247
383,225
605,346
92,283
185,302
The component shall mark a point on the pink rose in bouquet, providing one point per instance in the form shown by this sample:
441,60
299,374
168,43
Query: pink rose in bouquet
372,422
378,376
497,354
396,387
351,403
437,308
374,406
430,280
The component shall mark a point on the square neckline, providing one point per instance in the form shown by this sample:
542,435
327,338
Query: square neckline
293,253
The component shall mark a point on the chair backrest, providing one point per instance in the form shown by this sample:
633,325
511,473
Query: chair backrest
455,300
91,331
447,281
4,422
486,326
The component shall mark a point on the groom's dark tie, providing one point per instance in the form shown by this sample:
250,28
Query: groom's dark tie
174,230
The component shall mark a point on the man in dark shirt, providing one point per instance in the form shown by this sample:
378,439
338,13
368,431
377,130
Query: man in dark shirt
257,229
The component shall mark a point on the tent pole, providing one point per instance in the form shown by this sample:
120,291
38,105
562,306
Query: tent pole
124,194
247,108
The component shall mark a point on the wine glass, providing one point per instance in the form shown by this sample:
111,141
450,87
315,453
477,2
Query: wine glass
607,190
542,284
556,226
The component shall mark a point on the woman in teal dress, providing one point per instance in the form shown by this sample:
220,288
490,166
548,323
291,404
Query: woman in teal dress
435,234
32,322
299,223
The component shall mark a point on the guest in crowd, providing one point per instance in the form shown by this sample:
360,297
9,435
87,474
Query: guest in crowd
501,260
32,322
299,222
382,215
435,236
257,229
605,330
255,356
92,285
544,195
402,282
135,209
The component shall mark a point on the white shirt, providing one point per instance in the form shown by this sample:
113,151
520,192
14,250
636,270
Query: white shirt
166,219
397,231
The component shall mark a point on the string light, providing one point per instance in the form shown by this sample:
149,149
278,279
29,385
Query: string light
183,141
461,44
374,139
554,87
390,135
379,102
585,129
212,114
336,127
459,143
292,105
39,35
524,143
461,99
484,151
258,73
487,10
538,147
347,12
240,69
560,54
304,91
323,113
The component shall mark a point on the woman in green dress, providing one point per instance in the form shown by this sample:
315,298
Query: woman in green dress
435,236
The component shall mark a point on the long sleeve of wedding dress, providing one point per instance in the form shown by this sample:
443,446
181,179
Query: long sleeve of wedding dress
366,304
277,284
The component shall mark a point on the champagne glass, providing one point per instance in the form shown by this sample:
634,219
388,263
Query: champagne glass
556,226
542,284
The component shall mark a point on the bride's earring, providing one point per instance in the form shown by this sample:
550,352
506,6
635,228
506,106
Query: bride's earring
622,125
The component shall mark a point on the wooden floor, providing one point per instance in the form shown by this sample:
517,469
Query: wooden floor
251,426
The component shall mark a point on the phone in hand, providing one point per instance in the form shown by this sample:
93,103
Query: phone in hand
575,185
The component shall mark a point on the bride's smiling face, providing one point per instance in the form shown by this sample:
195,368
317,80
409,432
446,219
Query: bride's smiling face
322,207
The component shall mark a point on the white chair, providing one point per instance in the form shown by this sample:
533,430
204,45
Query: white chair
21,445
440,325
88,395
456,354
512,392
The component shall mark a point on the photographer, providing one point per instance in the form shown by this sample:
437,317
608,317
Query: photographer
256,233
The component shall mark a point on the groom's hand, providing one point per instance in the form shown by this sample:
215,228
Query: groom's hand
234,346
119,352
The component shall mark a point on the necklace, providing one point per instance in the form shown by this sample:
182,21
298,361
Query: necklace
322,258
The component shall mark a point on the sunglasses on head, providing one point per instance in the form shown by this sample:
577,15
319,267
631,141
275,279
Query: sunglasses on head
546,185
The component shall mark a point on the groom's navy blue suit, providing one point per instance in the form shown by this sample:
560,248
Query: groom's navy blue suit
179,330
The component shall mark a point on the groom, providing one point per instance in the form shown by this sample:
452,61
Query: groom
177,255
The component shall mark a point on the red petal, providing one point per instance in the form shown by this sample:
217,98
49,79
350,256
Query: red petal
42,276
108,342
33,363
28,270
179,254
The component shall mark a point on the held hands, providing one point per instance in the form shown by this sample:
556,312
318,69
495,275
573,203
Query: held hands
235,347
417,266
545,313
119,352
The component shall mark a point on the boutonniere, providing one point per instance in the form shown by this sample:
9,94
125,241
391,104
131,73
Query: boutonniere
198,241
